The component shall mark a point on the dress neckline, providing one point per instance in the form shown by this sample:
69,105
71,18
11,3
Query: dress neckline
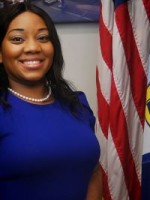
19,100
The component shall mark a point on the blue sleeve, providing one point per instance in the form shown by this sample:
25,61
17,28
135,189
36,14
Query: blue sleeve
87,113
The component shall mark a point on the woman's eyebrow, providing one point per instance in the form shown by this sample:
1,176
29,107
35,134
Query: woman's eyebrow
16,29
42,29
21,29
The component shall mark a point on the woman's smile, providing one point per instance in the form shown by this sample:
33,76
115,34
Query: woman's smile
32,63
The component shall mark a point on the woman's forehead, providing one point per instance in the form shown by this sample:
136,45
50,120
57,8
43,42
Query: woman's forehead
27,20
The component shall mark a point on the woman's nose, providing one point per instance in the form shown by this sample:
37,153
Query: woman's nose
32,46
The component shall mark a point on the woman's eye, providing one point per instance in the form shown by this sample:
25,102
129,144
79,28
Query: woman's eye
43,38
16,40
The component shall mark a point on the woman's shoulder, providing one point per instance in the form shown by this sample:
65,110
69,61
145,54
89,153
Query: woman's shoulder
83,100
86,110
82,97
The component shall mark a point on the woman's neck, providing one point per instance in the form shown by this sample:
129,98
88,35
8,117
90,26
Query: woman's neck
37,91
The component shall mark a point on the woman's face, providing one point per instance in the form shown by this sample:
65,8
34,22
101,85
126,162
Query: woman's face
26,51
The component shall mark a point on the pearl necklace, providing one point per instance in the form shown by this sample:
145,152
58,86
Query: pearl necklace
29,98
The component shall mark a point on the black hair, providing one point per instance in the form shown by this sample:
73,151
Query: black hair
60,87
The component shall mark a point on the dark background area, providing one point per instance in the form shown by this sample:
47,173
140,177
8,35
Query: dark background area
71,11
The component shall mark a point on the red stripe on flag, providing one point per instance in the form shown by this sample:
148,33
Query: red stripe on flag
106,191
119,132
135,67
105,42
147,7
103,107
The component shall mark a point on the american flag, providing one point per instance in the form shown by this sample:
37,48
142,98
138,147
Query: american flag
124,46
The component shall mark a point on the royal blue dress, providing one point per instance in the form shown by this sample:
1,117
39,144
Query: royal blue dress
45,152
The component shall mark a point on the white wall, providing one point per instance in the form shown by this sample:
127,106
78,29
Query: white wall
80,44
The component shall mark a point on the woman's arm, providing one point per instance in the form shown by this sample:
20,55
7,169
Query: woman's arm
95,185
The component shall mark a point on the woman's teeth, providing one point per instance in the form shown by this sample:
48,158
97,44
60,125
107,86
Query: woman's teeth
34,62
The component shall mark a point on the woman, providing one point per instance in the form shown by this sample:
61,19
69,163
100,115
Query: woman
48,150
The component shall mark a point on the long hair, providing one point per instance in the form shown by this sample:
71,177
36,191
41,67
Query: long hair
60,87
